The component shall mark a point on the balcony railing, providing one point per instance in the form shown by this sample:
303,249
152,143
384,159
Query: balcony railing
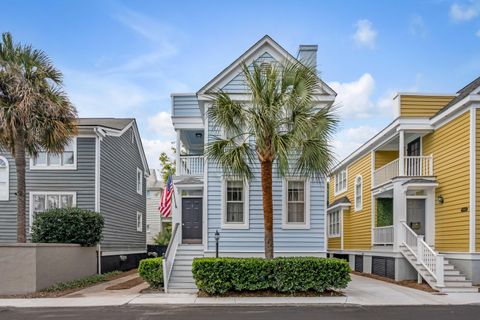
383,236
191,166
413,166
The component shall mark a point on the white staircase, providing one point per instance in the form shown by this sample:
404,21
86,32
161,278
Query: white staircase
432,266
181,278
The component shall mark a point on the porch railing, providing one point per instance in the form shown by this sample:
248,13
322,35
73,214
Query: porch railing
191,165
383,236
413,166
425,255
169,256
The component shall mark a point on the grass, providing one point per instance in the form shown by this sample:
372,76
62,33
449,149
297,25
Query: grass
82,283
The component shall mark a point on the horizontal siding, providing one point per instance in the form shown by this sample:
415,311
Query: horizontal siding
252,239
450,146
477,183
119,200
422,106
153,215
81,181
334,243
384,157
185,106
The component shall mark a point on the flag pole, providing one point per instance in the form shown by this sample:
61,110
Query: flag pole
174,198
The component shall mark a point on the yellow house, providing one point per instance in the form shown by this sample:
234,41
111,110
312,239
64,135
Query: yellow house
404,205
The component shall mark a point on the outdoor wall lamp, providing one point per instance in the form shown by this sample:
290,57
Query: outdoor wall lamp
217,237
440,199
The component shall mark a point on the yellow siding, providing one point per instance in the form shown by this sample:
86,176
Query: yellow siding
334,243
450,146
477,183
331,190
422,105
384,157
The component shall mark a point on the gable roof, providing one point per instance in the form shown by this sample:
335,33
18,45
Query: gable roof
248,55
461,94
111,123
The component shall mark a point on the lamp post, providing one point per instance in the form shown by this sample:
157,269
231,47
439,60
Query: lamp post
217,237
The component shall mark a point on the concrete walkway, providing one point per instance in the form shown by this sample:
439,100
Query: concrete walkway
361,291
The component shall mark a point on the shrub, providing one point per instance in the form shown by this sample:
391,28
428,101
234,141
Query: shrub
68,225
163,237
151,270
294,274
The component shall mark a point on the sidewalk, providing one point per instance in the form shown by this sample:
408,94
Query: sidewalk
361,291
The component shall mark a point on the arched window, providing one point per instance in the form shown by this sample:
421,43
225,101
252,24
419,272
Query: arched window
358,193
4,179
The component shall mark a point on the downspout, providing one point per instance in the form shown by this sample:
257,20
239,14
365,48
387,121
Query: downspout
100,135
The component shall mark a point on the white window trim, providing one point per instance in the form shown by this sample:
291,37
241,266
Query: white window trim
293,225
59,167
139,214
339,234
246,206
356,206
8,179
139,191
335,191
47,193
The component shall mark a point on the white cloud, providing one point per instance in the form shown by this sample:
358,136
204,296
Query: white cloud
348,140
365,35
161,124
459,13
417,26
153,148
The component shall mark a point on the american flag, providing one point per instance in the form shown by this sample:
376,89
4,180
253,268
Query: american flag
165,206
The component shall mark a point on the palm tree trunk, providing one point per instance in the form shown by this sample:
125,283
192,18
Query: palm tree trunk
266,172
20,164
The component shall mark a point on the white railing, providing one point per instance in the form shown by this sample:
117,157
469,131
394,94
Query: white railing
383,236
169,256
191,165
385,173
426,256
414,166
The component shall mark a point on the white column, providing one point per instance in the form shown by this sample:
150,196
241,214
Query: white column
177,152
399,213
401,153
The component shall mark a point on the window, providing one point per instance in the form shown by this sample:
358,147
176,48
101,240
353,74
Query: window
139,221
295,208
65,160
139,181
334,224
235,204
42,201
358,193
4,179
341,181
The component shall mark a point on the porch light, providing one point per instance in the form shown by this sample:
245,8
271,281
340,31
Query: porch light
198,134
440,199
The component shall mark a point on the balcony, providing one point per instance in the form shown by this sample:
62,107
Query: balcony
411,166
191,165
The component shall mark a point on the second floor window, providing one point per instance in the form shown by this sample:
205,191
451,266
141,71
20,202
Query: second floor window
139,181
341,181
65,160
358,193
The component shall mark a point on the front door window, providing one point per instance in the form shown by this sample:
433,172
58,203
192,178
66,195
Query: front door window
416,215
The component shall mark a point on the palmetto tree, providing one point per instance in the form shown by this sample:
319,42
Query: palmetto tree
281,124
35,113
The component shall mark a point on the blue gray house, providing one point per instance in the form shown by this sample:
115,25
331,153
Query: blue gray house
102,169
206,201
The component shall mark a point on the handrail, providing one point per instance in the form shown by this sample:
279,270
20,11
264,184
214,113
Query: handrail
426,256
169,256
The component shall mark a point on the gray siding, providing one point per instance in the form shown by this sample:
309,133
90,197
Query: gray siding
251,240
185,106
81,181
119,200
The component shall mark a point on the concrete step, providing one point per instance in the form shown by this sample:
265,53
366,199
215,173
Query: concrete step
181,262
179,290
181,285
190,247
181,273
178,267
459,290
177,280
458,284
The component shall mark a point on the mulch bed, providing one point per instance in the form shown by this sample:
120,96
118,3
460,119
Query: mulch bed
56,294
272,293
404,283
127,284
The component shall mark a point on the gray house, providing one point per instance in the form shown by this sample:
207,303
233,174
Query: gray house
103,169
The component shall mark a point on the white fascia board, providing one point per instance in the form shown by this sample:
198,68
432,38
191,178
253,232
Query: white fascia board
438,119
443,94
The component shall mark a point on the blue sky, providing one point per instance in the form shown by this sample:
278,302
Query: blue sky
124,58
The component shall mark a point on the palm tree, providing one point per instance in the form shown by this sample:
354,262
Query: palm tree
282,124
35,113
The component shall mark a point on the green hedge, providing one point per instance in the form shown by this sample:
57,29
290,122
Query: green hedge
151,270
220,275
68,225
